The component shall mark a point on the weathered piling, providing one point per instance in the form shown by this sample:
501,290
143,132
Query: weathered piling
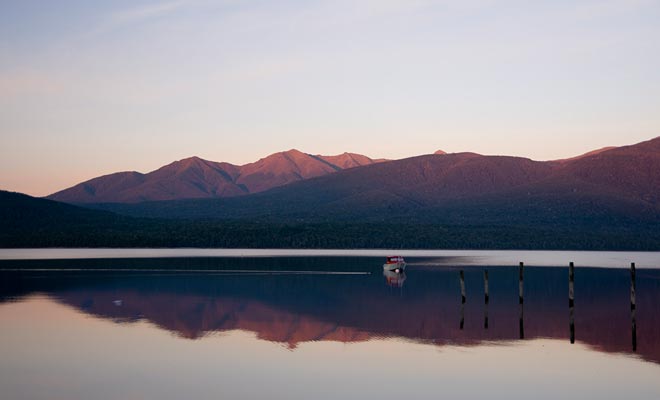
633,307
571,282
571,300
521,324
486,299
632,287
520,283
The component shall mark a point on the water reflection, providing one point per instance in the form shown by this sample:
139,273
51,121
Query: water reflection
486,299
50,351
394,279
297,308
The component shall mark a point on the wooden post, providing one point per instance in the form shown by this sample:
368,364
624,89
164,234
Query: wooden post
486,299
571,301
571,281
632,287
521,323
520,284
633,307
462,299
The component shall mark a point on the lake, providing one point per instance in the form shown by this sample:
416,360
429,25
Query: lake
301,326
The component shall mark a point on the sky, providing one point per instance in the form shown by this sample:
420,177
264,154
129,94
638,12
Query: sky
91,88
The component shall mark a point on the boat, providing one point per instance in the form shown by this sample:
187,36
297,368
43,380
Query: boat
394,263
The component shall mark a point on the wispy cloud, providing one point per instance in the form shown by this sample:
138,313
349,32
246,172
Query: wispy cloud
145,12
139,14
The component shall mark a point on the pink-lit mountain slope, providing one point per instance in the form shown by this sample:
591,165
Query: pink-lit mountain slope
194,178
608,187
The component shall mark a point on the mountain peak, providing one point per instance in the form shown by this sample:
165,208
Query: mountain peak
185,164
347,160
281,168
290,155
191,161
440,152
290,152
296,154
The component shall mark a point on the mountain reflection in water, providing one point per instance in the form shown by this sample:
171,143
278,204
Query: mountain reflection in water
296,307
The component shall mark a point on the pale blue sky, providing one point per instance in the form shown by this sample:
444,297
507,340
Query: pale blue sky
89,88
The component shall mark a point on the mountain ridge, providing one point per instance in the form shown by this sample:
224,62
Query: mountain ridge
614,184
197,178
194,177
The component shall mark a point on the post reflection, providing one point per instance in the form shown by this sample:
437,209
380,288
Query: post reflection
463,299
486,299
633,306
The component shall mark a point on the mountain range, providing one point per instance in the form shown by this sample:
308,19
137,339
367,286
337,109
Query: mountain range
605,199
294,183
193,178
615,184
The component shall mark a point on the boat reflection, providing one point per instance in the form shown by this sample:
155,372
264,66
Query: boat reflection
394,279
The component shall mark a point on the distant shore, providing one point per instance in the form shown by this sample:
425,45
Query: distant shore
604,259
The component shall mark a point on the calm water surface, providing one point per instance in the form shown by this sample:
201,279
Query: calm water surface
321,328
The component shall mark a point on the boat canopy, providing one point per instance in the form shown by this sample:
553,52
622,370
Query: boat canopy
394,259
